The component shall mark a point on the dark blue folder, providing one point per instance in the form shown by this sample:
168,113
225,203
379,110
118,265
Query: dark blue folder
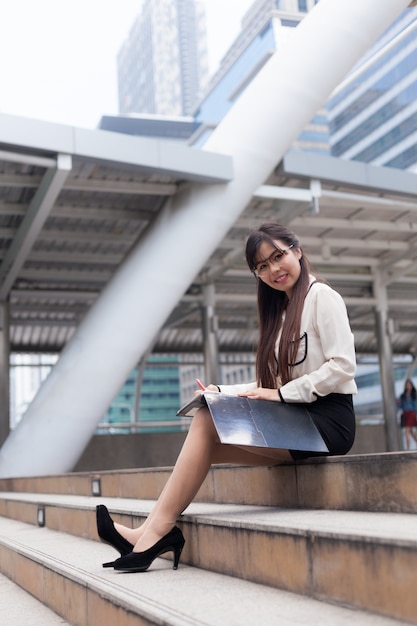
263,423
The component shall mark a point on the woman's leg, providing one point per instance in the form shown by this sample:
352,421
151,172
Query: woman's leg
407,438
201,449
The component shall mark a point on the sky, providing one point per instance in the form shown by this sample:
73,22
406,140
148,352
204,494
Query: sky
58,58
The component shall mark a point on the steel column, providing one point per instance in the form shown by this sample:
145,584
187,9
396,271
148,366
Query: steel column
4,372
210,343
386,367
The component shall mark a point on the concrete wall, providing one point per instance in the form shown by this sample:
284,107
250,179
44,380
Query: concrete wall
369,439
109,452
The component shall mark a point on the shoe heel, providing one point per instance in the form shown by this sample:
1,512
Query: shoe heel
141,561
177,555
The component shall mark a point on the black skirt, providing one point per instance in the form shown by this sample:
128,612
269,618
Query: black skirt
334,417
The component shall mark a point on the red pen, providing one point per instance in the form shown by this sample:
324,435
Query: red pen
200,384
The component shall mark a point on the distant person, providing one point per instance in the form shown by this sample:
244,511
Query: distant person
408,406
305,355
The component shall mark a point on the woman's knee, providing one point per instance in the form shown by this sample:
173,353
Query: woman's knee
203,423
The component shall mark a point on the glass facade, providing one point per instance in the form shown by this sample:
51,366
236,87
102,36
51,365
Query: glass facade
249,53
372,107
394,137
373,115
368,402
159,400
387,112
224,93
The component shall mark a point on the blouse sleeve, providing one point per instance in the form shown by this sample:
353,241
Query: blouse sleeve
234,390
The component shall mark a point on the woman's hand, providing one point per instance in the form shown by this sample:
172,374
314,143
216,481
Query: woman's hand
262,394
208,388
213,388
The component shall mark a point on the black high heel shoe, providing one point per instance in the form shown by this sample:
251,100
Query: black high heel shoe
108,533
140,561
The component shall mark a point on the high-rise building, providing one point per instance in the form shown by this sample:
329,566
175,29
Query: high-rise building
373,113
266,26
370,117
162,66
157,395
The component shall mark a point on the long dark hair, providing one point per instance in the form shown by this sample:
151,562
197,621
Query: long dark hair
413,393
271,306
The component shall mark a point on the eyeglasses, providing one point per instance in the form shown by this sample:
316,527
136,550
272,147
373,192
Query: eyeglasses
263,266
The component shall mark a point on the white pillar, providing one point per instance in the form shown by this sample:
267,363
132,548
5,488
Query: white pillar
4,371
392,434
257,131
210,339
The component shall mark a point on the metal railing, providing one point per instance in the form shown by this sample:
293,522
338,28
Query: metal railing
130,427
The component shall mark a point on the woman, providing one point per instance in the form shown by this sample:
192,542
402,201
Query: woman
305,355
408,406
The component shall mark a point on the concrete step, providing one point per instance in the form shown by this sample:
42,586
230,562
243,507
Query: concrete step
374,482
64,572
366,560
18,607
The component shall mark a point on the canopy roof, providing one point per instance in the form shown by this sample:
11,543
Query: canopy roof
73,202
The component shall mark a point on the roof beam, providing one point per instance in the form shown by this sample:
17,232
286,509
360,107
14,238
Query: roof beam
54,294
356,224
328,197
329,169
84,212
121,186
388,278
66,276
26,159
76,258
161,156
302,194
102,213
283,193
86,235
95,184
33,222
17,180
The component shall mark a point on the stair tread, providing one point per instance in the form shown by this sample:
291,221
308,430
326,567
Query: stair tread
399,528
17,606
188,596
382,482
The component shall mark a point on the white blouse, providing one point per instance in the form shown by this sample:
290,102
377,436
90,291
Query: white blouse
326,361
